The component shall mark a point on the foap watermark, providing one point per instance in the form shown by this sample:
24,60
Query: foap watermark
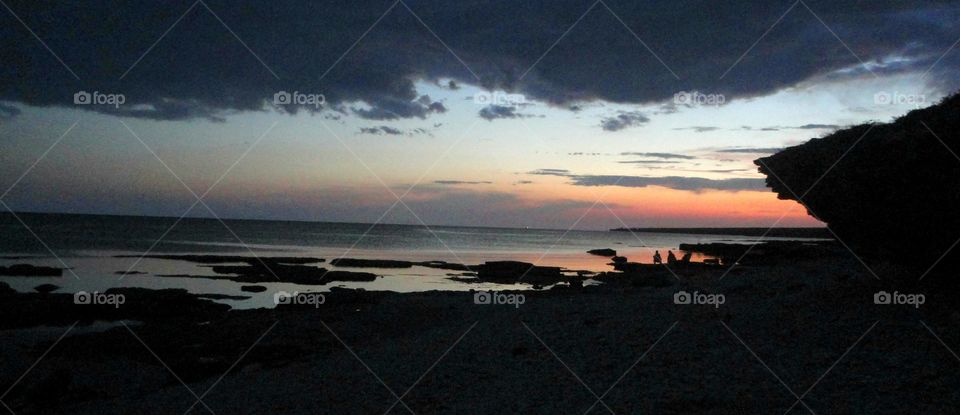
497,298
299,298
299,98
698,298
898,298
501,99
698,99
897,98
98,98
98,298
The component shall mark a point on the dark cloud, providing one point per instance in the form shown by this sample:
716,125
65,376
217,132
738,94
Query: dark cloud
492,112
459,182
523,182
694,184
390,109
698,129
383,129
727,170
713,170
8,111
667,108
818,127
648,162
550,172
658,155
763,150
623,120
199,69
799,127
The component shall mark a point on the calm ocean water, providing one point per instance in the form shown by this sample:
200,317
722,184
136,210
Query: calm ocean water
88,243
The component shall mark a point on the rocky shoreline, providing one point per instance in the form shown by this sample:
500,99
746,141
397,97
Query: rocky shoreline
798,314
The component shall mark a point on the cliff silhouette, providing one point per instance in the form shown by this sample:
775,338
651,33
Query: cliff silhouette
891,191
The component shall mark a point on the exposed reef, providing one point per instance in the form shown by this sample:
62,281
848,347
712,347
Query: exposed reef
27,270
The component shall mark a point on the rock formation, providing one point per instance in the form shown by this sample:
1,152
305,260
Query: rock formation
889,190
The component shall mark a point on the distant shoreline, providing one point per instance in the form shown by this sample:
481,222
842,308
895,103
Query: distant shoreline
771,232
800,232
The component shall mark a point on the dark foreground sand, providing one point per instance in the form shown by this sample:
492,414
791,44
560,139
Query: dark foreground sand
808,328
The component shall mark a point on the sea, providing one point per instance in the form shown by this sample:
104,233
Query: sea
97,249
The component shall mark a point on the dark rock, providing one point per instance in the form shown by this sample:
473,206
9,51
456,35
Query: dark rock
512,271
619,259
728,253
773,252
48,392
446,265
223,297
390,263
465,280
657,277
296,274
27,270
253,288
370,263
888,190
170,305
607,252
628,266
228,259
348,276
46,288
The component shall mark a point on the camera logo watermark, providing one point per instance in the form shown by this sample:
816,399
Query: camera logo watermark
498,98
98,298
496,298
97,98
299,298
898,298
698,298
698,99
897,98
298,98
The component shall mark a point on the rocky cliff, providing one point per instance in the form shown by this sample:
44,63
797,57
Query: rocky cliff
889,190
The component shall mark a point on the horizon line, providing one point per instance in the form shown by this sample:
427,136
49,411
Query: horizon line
408,224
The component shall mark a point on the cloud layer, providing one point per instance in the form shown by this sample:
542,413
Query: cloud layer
220,57
693,184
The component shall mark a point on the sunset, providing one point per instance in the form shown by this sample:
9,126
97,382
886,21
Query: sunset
479,207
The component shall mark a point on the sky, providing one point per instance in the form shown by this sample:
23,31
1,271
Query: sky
554,114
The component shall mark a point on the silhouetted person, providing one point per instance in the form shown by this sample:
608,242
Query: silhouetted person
657,259
671,258
686,258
